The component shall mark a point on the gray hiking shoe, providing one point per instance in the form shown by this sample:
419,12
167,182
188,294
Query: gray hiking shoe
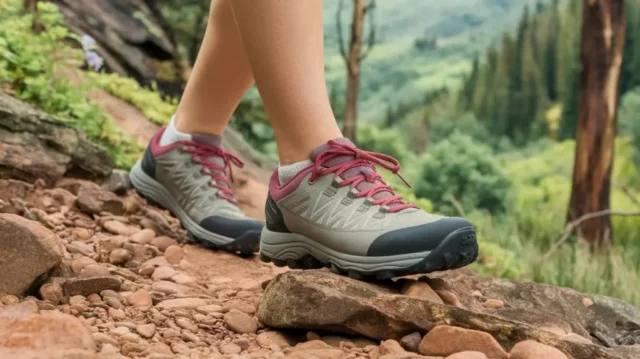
189,178
339,213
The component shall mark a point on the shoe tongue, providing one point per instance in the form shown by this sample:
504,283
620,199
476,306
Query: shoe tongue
207,139
354,171
213,141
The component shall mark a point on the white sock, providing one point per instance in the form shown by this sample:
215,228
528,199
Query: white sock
171,134
286,173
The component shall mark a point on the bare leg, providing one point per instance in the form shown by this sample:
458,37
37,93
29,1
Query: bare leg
220,77
285,45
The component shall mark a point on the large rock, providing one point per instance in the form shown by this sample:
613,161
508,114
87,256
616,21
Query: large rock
59,335
33,145
325,301
130,37
27,252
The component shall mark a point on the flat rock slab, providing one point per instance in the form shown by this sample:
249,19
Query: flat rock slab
45,332
28,250
33,146
324,301
87,286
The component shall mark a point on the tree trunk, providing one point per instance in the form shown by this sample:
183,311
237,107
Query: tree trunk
30,5
353,70
603,34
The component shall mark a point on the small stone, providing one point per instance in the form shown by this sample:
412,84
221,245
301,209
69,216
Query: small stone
587,302
163,273
118,182
266,339
79,264
445,340
240,322
51,292
131,349
86,249
167,287
311,336
86,286
94,270
94,201
468,355
77,299
230,349
146,271
104,339
174,254
141,298
9,299
189,337
530,349
120,256
185,323
391,347
493,303
117,314
212,308
113,303
146,330
120,331
183,279
94,298
449,298
180,348
421,290
163,242
171,333
81,233
239,305
181,303
120,228
143,237
411,342
476,293
247,284
157,350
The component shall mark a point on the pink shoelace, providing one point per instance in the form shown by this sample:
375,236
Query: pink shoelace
362,159
200,154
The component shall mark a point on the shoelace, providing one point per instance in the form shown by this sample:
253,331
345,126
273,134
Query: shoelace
362,159
200,154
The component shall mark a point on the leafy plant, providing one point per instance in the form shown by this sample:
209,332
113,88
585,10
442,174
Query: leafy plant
459,174
29,74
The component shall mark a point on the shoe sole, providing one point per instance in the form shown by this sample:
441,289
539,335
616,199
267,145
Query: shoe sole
156,194
459,248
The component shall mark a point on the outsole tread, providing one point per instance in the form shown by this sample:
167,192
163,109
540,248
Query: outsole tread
458,254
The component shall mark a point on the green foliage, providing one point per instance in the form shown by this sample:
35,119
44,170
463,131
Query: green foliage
459,174
32,76
148,101
387,141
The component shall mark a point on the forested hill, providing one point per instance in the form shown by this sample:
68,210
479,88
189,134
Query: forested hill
420,45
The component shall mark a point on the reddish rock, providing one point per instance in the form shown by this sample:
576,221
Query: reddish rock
493,303
530,349
141,298
174,254
27,251
468,355
444,340
421,290
47,331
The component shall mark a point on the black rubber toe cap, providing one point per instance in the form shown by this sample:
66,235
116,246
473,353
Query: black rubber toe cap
231,227
422,238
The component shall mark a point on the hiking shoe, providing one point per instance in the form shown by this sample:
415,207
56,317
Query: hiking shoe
338,212
191,179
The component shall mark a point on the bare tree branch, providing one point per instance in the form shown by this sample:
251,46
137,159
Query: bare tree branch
371,39
343,50
572,226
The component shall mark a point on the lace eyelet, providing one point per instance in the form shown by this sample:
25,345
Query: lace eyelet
309,181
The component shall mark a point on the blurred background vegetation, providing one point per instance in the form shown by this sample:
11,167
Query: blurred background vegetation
478,99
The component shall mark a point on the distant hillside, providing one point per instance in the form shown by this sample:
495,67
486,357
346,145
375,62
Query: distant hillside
398,70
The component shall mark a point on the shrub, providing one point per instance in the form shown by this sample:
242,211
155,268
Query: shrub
459,172
383,140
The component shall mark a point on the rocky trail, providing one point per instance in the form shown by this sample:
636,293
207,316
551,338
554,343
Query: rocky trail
88,269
